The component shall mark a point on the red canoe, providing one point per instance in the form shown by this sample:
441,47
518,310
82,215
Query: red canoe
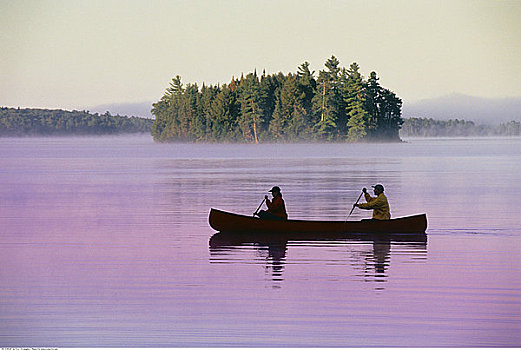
228,222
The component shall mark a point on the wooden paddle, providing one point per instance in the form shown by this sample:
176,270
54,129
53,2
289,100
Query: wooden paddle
353,208
260,205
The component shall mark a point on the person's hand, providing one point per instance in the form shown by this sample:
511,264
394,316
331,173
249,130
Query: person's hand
355,205
266,197
364,190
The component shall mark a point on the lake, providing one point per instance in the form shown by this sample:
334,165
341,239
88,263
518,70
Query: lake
104,242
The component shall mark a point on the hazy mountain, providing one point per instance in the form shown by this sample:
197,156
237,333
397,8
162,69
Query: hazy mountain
457,106
141,109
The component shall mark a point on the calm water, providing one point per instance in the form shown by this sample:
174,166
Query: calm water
105,242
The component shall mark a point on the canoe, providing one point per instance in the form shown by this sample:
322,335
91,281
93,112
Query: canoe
234,223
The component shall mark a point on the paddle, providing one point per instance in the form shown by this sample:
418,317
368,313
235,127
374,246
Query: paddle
353,208
260,205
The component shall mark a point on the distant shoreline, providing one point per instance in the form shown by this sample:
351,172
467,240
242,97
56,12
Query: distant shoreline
56,122
428,127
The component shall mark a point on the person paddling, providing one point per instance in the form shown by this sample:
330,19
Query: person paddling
276,207
378,204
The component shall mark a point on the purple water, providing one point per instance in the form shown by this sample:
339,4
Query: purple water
104,242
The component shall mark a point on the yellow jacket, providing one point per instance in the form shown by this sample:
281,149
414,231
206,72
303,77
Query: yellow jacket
379,205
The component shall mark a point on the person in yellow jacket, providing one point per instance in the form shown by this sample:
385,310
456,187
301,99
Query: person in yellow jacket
378,204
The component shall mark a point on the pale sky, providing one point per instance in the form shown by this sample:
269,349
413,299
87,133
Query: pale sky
73,54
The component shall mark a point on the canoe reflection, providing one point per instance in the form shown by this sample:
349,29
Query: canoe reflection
370,255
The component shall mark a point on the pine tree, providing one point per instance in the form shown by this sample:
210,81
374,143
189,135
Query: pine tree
373,91
289,118
384,109
159,110
252,103
224,111
355,102
165,126
268,87
327,103
390,115
278,124
207,96
307,86
195,122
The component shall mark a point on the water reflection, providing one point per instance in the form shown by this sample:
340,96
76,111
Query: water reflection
275,258
372,261
369,256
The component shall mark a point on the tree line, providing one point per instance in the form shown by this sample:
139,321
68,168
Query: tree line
31,121
428,127
338,105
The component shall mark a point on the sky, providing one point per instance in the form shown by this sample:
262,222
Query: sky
72,54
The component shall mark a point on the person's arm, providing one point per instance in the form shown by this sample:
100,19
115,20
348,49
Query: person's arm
373,203
275,206
368,199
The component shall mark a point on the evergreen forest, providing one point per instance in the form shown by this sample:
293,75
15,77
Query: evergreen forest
336,105
30,121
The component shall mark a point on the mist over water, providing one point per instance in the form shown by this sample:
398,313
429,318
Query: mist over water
104,241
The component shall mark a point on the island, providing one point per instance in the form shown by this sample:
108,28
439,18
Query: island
337,105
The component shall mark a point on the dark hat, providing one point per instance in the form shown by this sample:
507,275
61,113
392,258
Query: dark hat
378,187
275,189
